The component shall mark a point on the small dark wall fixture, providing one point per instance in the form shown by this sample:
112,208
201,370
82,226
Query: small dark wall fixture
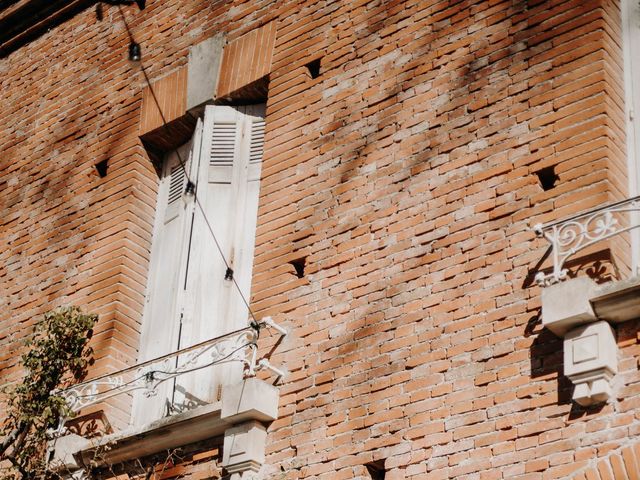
102,167
313,67
376,470
547,177
135,53
298,266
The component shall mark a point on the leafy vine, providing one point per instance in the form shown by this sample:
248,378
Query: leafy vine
57,355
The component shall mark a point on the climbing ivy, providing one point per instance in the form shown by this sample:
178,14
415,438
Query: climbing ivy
57,354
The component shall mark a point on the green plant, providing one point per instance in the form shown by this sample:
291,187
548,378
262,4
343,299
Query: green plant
57,356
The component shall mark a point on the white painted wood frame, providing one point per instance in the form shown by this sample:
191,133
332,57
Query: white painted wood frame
189,300
630,10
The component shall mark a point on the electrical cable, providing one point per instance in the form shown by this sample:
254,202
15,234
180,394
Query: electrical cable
190,187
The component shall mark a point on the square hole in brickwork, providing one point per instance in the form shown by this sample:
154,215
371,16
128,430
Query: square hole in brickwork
313,67
547,177
376,470
298,265
102,167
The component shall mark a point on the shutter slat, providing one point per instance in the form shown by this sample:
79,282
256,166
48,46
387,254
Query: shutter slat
176,183
223,140
257,141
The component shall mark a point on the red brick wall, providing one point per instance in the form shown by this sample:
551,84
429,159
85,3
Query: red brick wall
404,174
246,59
171,96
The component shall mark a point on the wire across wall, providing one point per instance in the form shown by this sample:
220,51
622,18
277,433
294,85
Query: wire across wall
190,185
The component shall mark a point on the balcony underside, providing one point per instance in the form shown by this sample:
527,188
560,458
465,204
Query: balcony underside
170,432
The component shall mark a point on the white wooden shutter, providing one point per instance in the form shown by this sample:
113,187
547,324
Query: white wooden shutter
247,210
162,312
189,299
230,162
630,13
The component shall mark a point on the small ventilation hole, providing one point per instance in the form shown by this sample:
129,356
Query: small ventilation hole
376,470
298,265
547,177
314,68
102,167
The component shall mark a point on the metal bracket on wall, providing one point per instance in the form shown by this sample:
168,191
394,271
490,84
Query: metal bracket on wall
576,233
239,346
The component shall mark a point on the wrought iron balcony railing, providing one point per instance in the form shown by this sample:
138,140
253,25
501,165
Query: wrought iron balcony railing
576,233
239,346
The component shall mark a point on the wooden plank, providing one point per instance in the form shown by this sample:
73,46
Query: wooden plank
27,20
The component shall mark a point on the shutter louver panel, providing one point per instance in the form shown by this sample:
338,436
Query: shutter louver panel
176,184
177,180
257,141
256,149
222,151
223,141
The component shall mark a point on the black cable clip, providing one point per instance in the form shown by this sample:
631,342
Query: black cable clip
228,275
189,188
255,325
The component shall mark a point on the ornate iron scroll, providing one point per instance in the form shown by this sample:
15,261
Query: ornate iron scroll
238,346
580,231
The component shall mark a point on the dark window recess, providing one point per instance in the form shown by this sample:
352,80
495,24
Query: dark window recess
376,470
314,68
547,177
102,167
298,265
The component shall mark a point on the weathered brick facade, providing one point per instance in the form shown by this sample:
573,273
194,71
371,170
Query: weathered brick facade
404,176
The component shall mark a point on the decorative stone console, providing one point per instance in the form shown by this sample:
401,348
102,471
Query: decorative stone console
247,406
242,416
581,312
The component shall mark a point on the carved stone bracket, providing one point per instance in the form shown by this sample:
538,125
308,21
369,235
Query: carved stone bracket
590,362
248,406
581,312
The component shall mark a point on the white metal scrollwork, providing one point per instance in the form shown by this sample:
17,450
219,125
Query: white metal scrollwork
238,346
580,231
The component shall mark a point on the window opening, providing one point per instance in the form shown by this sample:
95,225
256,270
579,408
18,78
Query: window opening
188,300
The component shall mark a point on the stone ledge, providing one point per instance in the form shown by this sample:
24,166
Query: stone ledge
169,432
250,401
566,305
617,301
579,301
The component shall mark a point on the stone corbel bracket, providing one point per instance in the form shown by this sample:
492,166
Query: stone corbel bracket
581,312
248,407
